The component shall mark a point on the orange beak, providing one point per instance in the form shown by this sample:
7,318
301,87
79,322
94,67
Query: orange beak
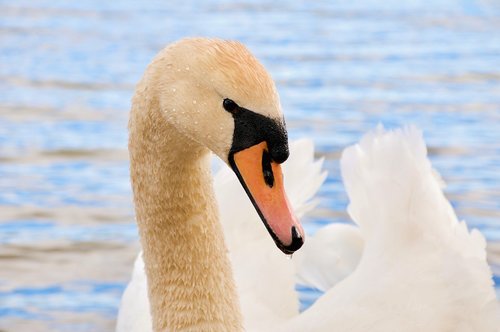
262,179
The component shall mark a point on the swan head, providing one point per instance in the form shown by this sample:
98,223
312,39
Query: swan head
217,94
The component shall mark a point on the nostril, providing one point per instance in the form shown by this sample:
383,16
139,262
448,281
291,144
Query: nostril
267,169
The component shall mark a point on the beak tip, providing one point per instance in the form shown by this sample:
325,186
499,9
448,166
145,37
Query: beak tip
296,244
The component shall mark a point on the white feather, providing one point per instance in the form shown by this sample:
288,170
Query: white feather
134,315
329,256
421,269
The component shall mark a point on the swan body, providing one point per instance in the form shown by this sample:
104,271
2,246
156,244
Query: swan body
420,269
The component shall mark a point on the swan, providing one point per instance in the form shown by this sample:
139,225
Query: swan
412,265
200,95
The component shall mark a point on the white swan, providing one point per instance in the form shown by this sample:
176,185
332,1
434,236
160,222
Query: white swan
199,95
420,271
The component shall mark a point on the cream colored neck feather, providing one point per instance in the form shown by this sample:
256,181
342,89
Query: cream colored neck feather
190,282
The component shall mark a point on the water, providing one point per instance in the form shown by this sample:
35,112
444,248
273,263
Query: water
67,72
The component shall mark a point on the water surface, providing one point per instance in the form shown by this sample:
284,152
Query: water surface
67,73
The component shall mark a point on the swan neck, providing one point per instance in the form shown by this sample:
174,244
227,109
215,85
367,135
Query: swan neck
190,283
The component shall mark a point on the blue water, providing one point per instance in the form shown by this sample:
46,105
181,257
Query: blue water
67,73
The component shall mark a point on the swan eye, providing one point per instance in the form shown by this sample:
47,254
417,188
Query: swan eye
229,105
